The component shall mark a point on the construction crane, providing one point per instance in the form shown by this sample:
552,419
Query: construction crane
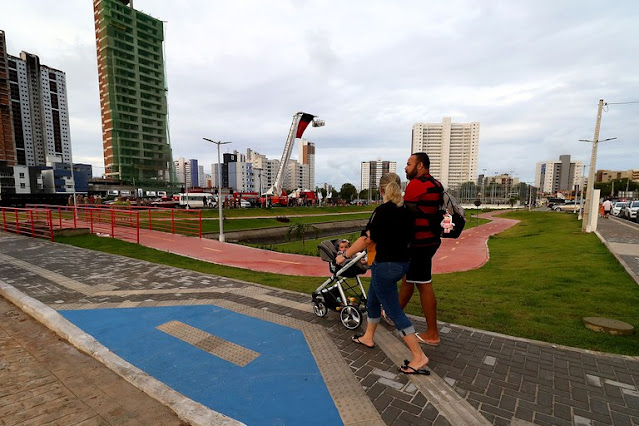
301,120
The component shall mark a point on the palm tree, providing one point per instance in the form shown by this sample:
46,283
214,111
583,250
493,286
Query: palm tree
300,230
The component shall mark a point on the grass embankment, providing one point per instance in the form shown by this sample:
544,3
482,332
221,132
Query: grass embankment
544,275
255,218
309,246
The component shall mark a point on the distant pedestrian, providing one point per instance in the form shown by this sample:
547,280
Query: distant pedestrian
607,206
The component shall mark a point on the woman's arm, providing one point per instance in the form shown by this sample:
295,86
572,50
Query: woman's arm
360,244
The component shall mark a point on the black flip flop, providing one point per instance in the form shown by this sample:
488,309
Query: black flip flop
355,339
414,371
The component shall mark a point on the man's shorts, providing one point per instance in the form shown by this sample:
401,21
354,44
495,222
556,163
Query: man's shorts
421,263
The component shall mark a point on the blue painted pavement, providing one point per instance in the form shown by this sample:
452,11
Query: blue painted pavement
282,386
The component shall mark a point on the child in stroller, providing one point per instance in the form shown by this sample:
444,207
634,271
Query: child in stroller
336,293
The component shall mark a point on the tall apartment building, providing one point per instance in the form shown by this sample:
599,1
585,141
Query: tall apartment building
132,93
187,172
554,176
264,170
7,141
297,175
237,173
372,171
307,157
453,149
34,115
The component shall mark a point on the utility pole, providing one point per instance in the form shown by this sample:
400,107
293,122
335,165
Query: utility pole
585,226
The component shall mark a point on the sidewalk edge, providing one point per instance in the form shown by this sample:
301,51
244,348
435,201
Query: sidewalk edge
186,409
619,258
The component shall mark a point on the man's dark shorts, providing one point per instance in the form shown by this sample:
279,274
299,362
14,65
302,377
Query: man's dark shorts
421,264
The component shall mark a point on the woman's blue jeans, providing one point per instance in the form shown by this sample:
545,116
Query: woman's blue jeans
383,292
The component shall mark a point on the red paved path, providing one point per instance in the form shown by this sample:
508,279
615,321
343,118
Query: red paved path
470,251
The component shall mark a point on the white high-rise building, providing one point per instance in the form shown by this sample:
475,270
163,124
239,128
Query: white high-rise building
372,171
307,157
39,110
453,149
296,176
562,175
264,170
184,171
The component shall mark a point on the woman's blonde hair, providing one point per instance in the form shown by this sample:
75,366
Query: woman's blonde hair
390,183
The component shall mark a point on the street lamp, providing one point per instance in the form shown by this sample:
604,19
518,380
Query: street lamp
259,173
219,185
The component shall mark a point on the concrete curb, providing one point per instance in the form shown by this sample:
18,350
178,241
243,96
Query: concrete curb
186,409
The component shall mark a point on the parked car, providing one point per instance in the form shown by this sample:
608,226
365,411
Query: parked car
617,207
630,211
568,206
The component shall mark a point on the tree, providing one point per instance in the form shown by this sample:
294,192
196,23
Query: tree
300,230
363,194
348,192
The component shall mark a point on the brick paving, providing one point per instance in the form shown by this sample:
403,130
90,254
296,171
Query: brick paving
507,380
44,380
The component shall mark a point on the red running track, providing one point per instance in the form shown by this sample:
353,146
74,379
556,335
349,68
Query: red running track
470,251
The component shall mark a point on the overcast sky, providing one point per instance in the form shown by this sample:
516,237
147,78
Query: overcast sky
531,72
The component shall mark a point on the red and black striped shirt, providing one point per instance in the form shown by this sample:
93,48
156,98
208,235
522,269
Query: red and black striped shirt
424,194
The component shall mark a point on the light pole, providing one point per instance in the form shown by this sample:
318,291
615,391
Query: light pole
219,185
585,226
259,173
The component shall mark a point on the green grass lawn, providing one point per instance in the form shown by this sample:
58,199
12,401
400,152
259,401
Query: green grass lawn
543,277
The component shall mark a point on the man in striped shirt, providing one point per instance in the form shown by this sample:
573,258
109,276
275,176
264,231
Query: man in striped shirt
424,196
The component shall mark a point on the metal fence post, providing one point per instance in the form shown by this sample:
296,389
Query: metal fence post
50,221
17,222
112,224
200,223
32,224
172,223
137,220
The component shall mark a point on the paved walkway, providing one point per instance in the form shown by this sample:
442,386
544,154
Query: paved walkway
622,239
168,329
470,251
45,380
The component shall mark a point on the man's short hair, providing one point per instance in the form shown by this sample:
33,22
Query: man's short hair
423,158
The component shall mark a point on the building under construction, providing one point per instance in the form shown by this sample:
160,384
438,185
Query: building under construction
133,89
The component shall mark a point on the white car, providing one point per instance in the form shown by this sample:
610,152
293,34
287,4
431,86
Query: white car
618,207
630,211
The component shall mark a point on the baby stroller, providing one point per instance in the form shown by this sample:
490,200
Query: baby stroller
336,293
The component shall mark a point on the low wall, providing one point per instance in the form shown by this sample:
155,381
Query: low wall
278,234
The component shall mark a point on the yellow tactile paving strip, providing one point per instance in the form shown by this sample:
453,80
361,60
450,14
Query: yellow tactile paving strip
214,345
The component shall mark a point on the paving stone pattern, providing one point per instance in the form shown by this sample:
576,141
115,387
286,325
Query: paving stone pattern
44,380
508,380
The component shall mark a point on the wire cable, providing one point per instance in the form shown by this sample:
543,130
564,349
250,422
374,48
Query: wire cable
622,103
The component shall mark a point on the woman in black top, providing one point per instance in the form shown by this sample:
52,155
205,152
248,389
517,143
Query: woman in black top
391,229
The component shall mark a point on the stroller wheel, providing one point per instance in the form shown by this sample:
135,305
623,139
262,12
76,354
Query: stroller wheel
320,308
350,316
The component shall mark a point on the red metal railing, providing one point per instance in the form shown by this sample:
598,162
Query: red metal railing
123,222
32,222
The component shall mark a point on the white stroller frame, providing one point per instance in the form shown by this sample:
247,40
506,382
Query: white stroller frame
349,308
